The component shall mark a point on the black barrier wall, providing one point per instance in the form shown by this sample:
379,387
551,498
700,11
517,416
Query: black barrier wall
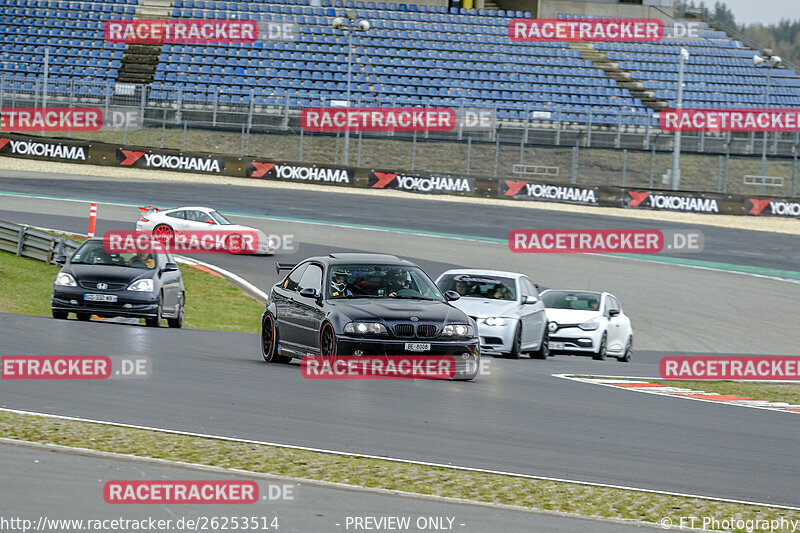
95,153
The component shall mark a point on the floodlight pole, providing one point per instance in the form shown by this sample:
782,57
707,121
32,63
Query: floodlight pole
351,26
764,147
676,154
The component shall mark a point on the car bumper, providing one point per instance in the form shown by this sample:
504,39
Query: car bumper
132,304
575,340
497,340
465,353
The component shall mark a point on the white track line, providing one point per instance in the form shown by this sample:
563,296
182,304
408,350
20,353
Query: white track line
396,460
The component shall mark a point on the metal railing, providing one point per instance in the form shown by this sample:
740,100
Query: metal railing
25,241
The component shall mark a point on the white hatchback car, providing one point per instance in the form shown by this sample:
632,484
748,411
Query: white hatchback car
588,321
164,224
506,307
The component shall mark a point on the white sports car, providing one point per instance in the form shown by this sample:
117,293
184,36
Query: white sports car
588,321
506,306
164,224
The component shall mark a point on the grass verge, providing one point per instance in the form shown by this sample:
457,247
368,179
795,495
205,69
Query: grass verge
436,481
211,302
768,392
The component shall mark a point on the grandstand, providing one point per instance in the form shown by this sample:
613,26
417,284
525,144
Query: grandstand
413,55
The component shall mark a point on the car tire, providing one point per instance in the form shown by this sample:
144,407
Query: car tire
327,341
155,322
516,343
600,354
269,341
164,233
626,357
60,315
544,348
176,322
84,317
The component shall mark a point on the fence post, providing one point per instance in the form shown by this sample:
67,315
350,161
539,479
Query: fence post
624,166
496,152
719,175
183,149
647,134
527,121
574,164
558,127
727,163
301,145
163,127
21,241
286,111
413,150
461,122
752,142
702,142
143,101
214,108
125,134
652,163
250,113
794,167
775,136
469,152
241,139
618,140
589,130
358,157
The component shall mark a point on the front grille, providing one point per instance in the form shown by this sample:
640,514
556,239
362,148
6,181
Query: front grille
426,330
93,285
404,330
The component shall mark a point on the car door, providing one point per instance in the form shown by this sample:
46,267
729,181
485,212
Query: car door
196,220
176,219
615,323
170,283
535,316
309,310
284,295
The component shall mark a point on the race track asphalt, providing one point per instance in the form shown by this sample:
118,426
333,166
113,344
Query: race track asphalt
519,418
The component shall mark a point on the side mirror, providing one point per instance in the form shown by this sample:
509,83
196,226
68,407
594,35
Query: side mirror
61,259
308,293
528,300
613,312
171,267
209,221
451,296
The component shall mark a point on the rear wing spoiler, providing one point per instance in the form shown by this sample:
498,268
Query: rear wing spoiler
283,266
149,209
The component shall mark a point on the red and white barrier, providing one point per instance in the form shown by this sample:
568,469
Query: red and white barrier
92,219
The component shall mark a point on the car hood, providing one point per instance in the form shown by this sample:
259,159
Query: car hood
484,307
106,273
391,310
571,316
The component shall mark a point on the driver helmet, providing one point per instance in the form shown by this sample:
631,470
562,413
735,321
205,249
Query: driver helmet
339,279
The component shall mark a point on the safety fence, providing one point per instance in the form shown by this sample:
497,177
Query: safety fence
25,241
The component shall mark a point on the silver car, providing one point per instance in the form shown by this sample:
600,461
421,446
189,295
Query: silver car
506,306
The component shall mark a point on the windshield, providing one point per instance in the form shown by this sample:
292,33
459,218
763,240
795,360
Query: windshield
580,301
93,253
381,281
478,286
219,218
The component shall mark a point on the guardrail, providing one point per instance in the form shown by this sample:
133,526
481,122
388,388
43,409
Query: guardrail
26,241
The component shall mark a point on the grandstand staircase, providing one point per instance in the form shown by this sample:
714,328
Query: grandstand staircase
623,77
140,61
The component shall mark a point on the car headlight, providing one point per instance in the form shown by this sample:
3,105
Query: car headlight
365,328
590,325
65,280
496,321
142,285
457,330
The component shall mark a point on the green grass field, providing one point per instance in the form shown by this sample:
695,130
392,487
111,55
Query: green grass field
211,302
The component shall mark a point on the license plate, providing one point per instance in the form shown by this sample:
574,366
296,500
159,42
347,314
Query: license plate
556,345
100,297
418,346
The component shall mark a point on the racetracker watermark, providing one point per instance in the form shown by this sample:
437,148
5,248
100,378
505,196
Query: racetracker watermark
744,368
378,119
74,367
711,523
619,30
388,367
198,31
550,241
220,241
69,119
730,120
195,492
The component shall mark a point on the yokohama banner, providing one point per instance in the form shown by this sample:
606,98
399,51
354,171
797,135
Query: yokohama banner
299,172
170,161
772,207
548,192
424,184
40,148
668,201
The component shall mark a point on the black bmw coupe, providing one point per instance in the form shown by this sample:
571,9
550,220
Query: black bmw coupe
364,304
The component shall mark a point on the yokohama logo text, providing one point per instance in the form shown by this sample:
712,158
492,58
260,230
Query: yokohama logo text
289,172
170,162
673,203
542,191
39,149
382,180
776,207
